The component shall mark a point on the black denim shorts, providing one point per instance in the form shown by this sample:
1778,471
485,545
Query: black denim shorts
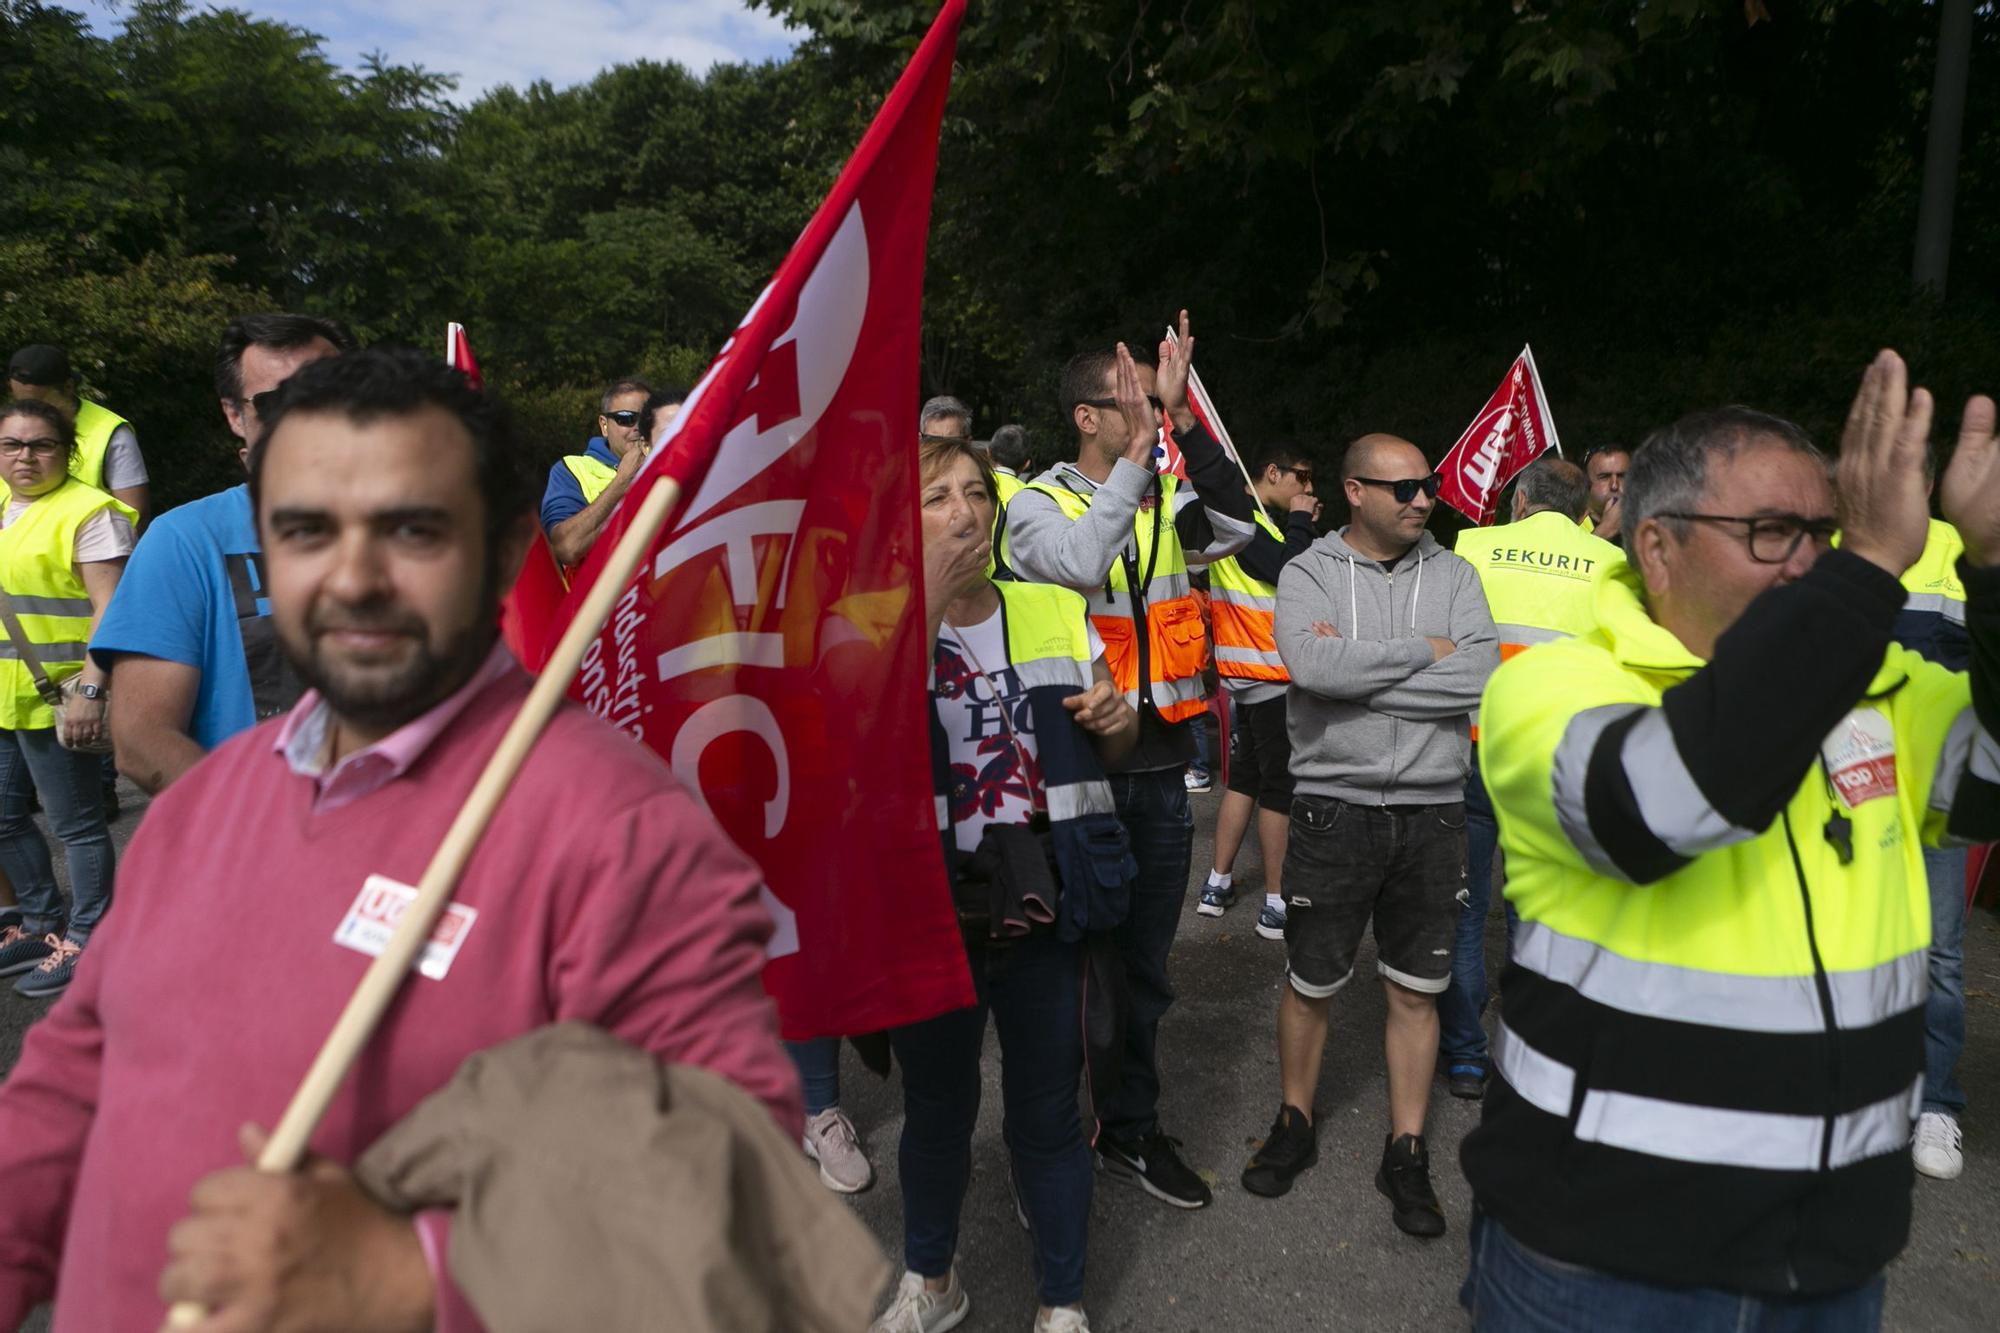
1260,754
1404,865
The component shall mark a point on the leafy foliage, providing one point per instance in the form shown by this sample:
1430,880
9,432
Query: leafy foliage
1368,206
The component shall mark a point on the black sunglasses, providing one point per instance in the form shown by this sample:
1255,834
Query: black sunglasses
627,418
1158,406
1405,490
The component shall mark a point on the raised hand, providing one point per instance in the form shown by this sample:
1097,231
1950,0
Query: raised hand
1884,508
1971,490
1139,416
1176,363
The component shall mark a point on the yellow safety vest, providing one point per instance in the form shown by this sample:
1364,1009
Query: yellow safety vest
38,570
94,427
592,476
1932,583
1174,646
1005,486
1537,576
1244,609
1659,1039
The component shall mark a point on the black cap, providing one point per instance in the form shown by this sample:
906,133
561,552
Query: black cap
39,364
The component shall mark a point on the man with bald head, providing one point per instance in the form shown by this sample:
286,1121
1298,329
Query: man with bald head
1388,642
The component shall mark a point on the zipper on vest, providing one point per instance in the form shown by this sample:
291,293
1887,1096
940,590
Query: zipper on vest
1825,989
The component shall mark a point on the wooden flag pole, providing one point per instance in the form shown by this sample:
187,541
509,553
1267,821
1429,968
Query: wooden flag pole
384,977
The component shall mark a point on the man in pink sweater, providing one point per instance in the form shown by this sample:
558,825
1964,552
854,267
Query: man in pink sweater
392,517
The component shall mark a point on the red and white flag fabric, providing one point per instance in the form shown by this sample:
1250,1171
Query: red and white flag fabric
458,354
1510,432
1204,411
773,647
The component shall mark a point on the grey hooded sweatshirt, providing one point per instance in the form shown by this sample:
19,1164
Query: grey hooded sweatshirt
1373,719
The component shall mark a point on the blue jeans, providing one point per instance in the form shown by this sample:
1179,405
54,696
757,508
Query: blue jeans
1034,992
819,1071
1512,1289
1202,758
72,789
1460,1036
1154,809
1944,1011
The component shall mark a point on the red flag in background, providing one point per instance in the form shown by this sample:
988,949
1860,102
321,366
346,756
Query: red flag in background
458,354
774,648
1510,432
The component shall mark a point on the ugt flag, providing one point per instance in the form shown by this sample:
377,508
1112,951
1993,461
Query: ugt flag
773,647
1509,433
1204,411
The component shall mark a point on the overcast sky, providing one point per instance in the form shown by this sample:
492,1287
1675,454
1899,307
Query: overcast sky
491,42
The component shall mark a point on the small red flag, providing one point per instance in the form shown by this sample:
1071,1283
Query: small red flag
774,647
1510,432
458,352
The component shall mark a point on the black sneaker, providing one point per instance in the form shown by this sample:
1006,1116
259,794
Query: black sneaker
1154,1164
1467,1079
1405,1181
1292,1147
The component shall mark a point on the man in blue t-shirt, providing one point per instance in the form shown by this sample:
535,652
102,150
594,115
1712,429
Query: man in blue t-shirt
188,636
585,488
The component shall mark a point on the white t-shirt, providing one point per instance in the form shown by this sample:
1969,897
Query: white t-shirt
992,780
105,535
124,466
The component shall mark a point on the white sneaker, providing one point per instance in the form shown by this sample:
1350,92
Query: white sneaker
916,1310
1063,1319
1936,1146
831,1141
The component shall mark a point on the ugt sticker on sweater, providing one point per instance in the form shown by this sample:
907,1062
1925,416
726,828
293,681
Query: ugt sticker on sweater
369,923
1860,757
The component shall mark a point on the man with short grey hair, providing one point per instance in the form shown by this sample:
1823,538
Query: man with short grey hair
945,418
1712,809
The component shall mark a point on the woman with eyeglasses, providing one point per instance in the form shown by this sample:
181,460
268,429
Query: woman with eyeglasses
63,545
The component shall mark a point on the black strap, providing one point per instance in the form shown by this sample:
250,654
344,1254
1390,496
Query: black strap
51,692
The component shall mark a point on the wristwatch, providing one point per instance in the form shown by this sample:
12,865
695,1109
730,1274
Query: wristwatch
93,692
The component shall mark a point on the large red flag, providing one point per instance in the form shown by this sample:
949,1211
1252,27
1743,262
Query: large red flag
774,648
1510,432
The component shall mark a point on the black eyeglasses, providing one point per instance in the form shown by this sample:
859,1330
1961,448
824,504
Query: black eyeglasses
627,418
1405,489
1304,474
1772,537
1158,406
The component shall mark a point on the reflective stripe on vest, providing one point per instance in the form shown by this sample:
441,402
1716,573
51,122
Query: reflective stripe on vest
1176,644
94,428
592,476
1861,998
1711,1135
1244,611
38,569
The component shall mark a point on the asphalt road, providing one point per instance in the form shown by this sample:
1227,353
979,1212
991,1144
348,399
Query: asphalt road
1326,1255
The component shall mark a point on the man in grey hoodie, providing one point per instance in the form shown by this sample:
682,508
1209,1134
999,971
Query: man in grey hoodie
1389,641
